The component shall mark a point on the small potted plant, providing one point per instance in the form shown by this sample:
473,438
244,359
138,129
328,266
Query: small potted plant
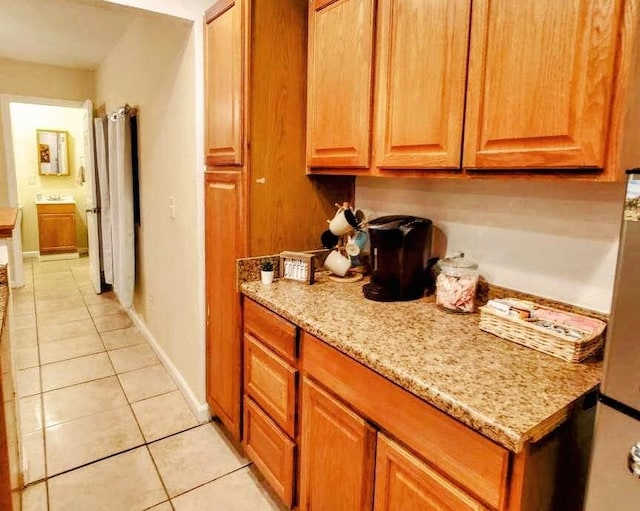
266,271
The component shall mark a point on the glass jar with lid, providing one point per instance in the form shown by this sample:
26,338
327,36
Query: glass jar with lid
457,283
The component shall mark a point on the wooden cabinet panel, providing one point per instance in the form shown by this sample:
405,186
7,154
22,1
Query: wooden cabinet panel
224,241
339,83
464,455
224,64
271,382
271,451
57,228
259,199
421,67
274,331
405,482
336,456
540,83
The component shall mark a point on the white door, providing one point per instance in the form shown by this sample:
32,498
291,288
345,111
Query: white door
93,209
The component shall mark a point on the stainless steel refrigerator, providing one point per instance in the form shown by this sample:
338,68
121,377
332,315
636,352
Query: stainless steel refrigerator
614,474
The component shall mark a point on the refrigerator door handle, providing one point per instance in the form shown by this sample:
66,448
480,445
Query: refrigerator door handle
633,461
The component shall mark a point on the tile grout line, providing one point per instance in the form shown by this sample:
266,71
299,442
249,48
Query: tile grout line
42,414
155,465
113,455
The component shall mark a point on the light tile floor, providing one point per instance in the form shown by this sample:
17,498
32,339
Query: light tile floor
103,425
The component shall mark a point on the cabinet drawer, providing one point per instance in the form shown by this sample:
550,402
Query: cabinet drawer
405,482
271,329
270,449
271,382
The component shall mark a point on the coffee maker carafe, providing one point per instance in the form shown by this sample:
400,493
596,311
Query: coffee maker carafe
400,248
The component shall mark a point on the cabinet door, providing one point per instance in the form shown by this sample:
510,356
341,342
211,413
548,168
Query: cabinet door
337,455
421,69
57,232
339,83
224,239
224,75
405,482
540,82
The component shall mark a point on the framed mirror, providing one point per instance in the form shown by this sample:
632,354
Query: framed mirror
53,152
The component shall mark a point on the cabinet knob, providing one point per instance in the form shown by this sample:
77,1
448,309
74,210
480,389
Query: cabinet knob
633,460
261,180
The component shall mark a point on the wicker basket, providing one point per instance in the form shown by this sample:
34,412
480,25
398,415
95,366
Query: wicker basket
539,338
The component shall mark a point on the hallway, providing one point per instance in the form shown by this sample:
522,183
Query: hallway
103,425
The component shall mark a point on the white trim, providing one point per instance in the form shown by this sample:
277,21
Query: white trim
198,31
200,410
34,254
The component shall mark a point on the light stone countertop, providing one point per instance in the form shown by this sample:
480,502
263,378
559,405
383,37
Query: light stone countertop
509,393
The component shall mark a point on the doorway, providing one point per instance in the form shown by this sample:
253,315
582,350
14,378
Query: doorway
55,218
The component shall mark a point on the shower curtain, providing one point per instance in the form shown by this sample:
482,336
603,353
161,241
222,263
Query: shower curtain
102,157
115,170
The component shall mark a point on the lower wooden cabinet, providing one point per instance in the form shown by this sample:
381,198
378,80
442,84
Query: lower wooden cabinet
271,450
404,482
271,397
330,434
57,228
337,454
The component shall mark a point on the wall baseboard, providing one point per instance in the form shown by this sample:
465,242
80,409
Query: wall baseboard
30,255
200,410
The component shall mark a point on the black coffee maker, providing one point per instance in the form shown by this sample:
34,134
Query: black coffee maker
400,247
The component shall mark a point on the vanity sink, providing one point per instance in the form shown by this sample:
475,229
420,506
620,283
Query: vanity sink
55,199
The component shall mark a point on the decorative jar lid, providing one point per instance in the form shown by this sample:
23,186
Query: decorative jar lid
458,265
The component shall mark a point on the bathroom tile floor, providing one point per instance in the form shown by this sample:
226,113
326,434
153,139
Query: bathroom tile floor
103,425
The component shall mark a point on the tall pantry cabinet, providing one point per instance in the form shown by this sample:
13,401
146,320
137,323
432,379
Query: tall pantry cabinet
258,200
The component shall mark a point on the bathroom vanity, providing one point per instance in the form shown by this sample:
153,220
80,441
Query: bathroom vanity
57,226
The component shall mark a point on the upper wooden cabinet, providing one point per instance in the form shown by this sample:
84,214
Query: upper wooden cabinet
535,86
421,68
224,88
540,83
339,83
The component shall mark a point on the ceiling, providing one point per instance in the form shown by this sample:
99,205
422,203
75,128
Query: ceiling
69,33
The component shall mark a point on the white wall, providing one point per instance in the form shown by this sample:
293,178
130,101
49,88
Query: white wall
153,68
25,120
550,238
187,349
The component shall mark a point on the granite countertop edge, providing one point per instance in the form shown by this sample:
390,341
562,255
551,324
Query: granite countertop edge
499,431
